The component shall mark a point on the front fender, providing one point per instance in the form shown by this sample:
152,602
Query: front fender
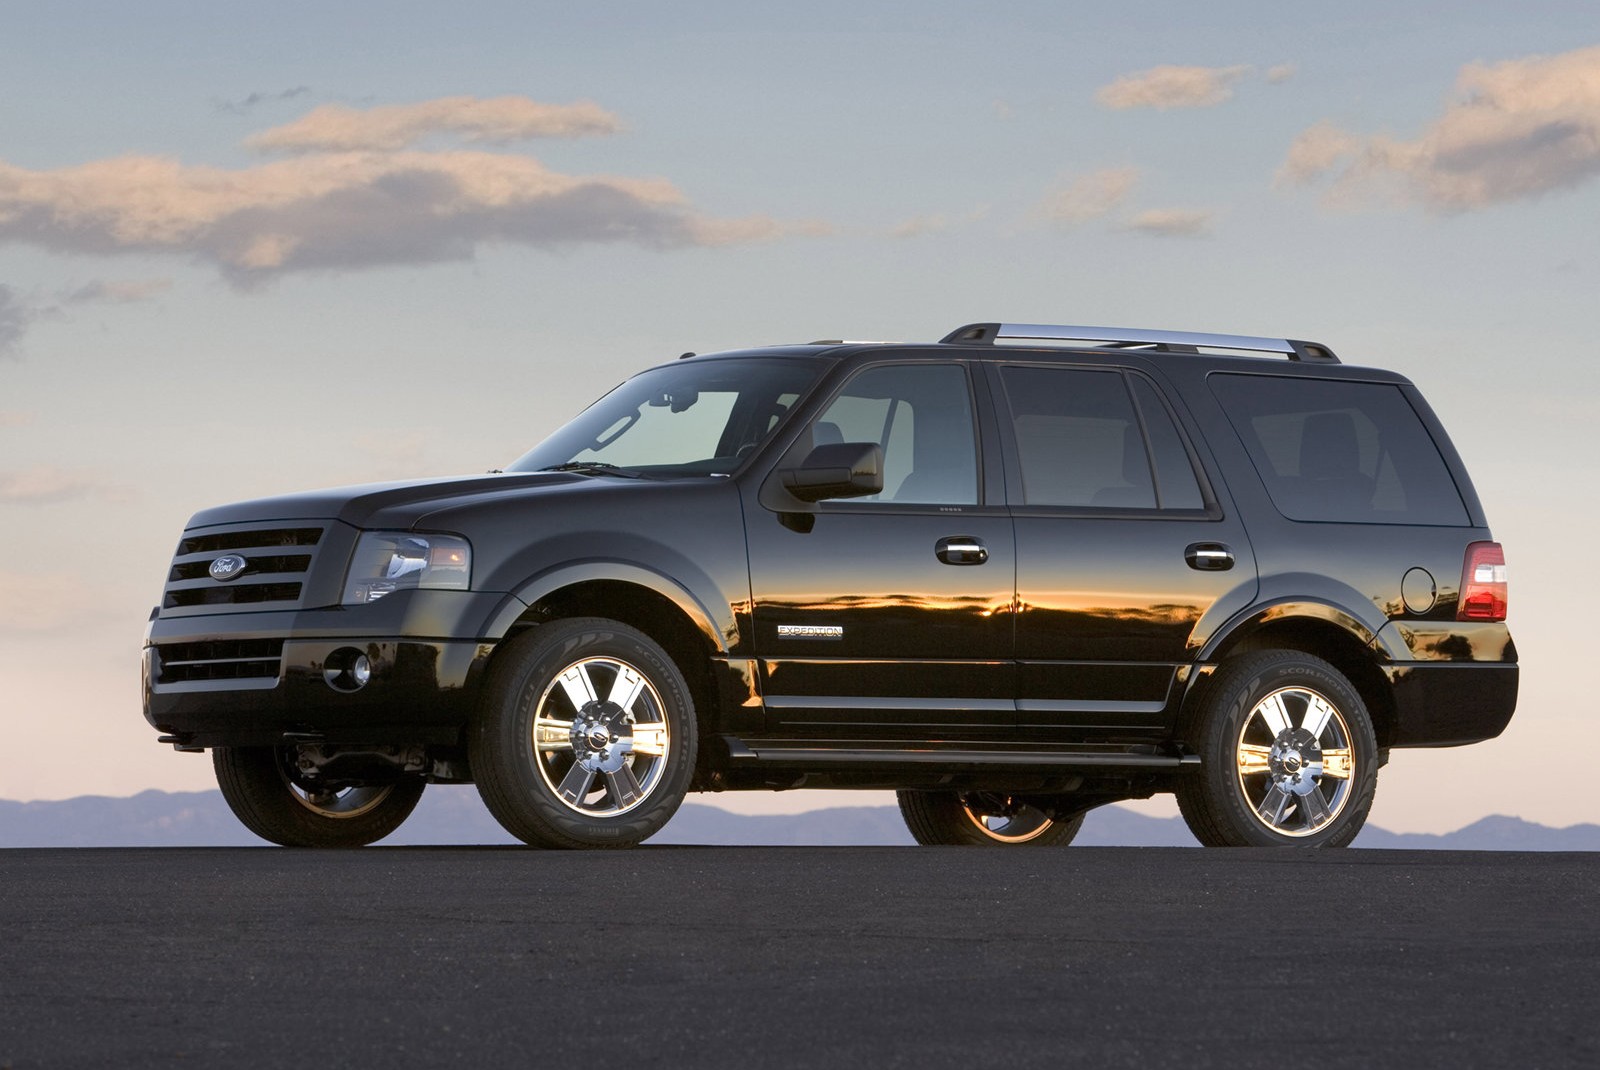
571,573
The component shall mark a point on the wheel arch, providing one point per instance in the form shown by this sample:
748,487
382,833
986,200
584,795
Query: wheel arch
1318,629
529,603
639,598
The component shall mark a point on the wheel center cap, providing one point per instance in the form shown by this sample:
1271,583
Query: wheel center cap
600,739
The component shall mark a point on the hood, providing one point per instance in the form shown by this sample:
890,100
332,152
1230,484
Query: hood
403,502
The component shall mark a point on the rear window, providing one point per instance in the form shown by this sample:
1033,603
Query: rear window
1340,451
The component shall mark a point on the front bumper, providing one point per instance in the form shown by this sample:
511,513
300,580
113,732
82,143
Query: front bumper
423,686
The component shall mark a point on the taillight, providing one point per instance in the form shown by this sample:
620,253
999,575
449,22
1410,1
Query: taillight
1483,583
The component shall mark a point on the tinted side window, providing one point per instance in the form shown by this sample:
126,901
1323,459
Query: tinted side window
1083,443
1329,450
1175,480
1078,438
921,414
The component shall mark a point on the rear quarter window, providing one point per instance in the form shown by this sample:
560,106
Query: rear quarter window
1330,450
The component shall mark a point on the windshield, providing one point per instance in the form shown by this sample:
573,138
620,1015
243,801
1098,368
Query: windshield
695,418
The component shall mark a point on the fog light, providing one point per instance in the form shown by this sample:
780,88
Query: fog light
347,669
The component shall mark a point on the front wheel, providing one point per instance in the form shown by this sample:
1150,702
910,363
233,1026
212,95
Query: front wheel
264,790
981,818
1288,756
586,736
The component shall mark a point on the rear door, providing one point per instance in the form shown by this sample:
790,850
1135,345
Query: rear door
1123,549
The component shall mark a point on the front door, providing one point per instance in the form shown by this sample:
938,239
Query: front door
889,618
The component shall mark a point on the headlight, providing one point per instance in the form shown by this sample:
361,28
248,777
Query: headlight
389,561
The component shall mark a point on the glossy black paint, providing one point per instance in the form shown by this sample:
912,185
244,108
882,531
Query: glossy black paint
420,692
923,645
1447,705
1075,640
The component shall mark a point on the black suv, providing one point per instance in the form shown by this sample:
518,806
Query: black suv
1014,575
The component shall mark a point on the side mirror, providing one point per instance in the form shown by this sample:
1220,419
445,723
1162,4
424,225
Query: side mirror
837,470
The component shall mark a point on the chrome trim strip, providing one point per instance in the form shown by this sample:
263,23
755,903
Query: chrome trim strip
1040,705
228,683
883,756
853,702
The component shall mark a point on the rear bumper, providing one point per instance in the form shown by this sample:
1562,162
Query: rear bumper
1453,682
1447,704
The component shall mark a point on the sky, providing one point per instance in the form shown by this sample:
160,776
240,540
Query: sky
248,250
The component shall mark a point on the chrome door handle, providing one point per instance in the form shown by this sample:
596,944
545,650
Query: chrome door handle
960,550
1208,556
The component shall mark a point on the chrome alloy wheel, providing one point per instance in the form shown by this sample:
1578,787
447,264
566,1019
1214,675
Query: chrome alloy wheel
1001,818
337,803
1295,762
601,756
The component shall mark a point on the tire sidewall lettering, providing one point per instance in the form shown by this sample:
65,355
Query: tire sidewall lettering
1232,699
505,740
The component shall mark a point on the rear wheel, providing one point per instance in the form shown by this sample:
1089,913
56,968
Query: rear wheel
980,818
586,736
263,788
1288,756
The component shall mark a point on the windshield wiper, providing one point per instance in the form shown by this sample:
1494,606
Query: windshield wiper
593,468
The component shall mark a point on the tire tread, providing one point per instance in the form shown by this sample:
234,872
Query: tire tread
256,793
494,755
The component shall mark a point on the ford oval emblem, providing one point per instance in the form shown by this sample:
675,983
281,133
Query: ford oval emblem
227,567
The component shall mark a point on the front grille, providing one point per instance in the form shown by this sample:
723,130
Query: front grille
234,594
271,578
225,659
221,542
194,570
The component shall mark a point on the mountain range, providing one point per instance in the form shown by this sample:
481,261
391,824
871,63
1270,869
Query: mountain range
455,816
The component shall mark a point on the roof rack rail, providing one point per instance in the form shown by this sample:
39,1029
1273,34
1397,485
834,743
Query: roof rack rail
1124,337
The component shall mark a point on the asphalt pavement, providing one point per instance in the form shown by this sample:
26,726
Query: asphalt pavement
798,957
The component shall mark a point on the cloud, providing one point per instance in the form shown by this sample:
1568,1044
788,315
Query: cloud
338,128
1512,131
1281,73
1173,222
248,103
349,210
45,485
15,418
917,226
116,291
1172,87
1089,196
1317,151
14,320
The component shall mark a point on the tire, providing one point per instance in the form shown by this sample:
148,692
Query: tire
1287,755
981,819
261,787
585,737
